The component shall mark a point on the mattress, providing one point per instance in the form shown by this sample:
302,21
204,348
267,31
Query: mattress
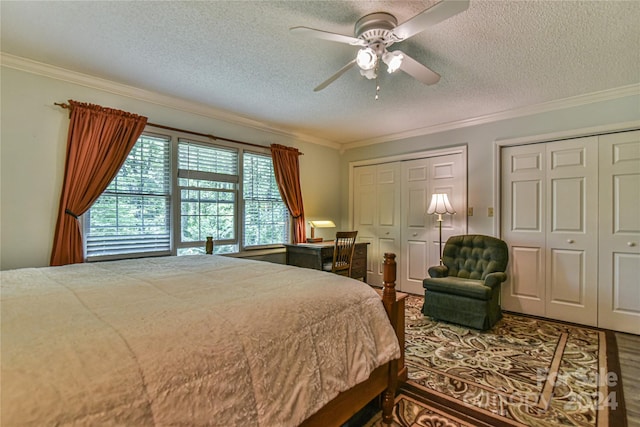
192,340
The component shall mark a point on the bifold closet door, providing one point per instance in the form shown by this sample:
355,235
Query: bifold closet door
390,201
550,199
376,213
619,232
419,233
572,224
523,228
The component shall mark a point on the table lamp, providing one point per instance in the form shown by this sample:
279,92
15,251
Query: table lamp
318,224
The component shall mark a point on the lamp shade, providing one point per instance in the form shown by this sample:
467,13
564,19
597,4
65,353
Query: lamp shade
440,205
322,224
366,58
393,60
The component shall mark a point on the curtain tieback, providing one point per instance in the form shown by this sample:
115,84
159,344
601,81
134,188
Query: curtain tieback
68,212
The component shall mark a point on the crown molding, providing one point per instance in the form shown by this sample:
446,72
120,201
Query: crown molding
58,73
574,101
570,134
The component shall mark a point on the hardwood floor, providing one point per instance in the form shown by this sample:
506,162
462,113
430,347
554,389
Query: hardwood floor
629,356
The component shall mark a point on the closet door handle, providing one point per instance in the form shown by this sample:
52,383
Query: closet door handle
569,241
631,244
415,234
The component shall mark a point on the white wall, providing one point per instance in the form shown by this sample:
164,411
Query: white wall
33,148
481,143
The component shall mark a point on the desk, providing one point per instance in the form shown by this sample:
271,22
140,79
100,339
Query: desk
314,255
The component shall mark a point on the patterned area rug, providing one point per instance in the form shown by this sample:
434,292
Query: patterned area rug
412,412
525,371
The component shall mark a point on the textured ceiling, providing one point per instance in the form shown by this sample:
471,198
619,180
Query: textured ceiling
239,56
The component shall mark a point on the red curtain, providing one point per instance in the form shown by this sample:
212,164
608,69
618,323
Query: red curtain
98,143
287,171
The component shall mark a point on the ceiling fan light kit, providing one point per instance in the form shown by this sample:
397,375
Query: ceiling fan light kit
367,59
376,32
393,61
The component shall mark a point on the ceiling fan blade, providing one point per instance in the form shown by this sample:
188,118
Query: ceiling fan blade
335,76
418,71
325,35
435,14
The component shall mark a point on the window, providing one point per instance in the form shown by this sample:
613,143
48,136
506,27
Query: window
171,193
132,216
266,218
208,183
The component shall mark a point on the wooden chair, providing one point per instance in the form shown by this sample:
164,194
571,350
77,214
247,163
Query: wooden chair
343,248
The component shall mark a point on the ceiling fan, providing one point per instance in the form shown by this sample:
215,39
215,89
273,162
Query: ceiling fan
375,32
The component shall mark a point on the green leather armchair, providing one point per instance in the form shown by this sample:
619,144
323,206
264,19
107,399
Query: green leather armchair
466,288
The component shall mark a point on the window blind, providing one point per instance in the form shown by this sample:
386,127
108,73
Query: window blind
133,214
208,180
266,218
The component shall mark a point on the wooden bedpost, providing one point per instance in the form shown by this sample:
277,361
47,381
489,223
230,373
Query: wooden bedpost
389,301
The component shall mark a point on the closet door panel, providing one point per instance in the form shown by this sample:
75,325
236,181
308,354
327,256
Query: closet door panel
376,214
388,208
526,273
526,209
415,228
365,213
571,238
626,214
416,254
386,245
626,299
567,277
447,174
523,228
370,253
619,233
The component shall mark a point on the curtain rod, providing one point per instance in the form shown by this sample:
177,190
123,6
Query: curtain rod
68,107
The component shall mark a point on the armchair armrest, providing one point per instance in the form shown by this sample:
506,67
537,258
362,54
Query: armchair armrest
439,271
494,279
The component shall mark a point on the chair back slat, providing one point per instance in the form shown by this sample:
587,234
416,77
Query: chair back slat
343,250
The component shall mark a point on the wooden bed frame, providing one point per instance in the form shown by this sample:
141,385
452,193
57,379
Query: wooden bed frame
382,382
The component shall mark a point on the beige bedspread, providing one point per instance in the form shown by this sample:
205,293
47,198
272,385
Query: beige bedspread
193,340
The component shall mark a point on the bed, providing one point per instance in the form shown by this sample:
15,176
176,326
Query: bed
193,340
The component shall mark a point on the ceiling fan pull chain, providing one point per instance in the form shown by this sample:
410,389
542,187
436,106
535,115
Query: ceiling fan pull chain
377,87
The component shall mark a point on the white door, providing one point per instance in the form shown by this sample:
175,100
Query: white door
447,174
416,226
523,227
376,213
550,199
364,211
388,217
572,224
619,267
420,244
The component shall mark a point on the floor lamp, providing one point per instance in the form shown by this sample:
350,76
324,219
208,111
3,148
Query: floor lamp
440,205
